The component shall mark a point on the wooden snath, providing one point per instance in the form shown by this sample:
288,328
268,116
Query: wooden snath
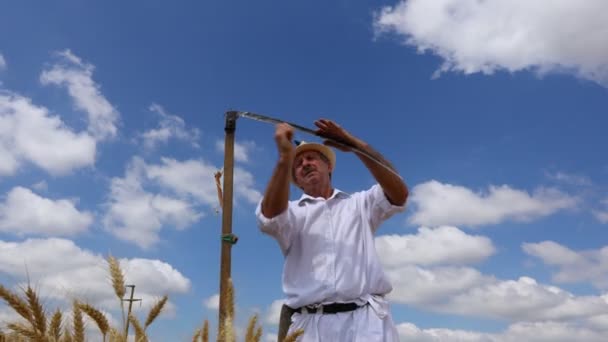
228,239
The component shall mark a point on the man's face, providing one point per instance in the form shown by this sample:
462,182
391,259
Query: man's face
311,168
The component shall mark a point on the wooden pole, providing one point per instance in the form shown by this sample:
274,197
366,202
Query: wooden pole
228,238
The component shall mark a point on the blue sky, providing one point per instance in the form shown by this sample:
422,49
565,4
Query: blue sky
111,127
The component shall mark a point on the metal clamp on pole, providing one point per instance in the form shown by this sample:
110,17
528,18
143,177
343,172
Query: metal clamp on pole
230,238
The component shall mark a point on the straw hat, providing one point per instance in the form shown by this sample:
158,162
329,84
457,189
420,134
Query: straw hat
303,146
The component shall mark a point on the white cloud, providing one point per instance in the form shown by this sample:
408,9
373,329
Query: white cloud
485,36
30,133
422,287
573,267
445,204
77,76
523,300
136,215
465,291
212,302
241,150
569,178
170,126
410,332
443,245
196,178
24,212
2,62
602,214
274,312
548,331
271,337
61,271
40,186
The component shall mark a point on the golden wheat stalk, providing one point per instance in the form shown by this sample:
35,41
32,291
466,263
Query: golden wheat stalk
205,333
20,306
258,334
250,335
23,330
97,316
55,326
226,334
140,333
156,309
118,283
196,335
67,335
116,336
38,314
294,336
78,324
118,279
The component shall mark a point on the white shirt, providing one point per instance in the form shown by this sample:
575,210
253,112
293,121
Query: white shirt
329,250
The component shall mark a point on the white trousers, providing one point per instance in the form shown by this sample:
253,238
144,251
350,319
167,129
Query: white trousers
361,325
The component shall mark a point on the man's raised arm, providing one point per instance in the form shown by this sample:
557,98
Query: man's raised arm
276,196
393,186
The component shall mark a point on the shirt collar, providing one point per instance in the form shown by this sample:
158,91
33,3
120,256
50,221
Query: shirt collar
336,194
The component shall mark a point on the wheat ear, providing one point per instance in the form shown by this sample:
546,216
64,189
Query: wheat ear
16,303
55,326
38,315
155,311
253,321
118,279
78,323
140,333
116,336
97,316
197,334
205,333
23,330
294,336
258,334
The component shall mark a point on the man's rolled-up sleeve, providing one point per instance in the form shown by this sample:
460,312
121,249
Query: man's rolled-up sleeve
379,207
279,227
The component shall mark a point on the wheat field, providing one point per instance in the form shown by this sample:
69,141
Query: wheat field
38,324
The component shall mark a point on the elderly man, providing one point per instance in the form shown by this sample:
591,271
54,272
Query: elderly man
332,277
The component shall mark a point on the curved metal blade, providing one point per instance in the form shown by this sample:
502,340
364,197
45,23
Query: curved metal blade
268,119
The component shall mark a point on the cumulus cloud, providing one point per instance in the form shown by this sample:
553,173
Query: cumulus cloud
2,62
30,133
466,291
570,178
572,266
170,126
241,150
442,245
195,178
137,215
62,270
24,212
548,331
273,314
212,302
602,214
486,36
445,204
77,77
410,332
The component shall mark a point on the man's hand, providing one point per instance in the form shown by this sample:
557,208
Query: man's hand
283,135
331,130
